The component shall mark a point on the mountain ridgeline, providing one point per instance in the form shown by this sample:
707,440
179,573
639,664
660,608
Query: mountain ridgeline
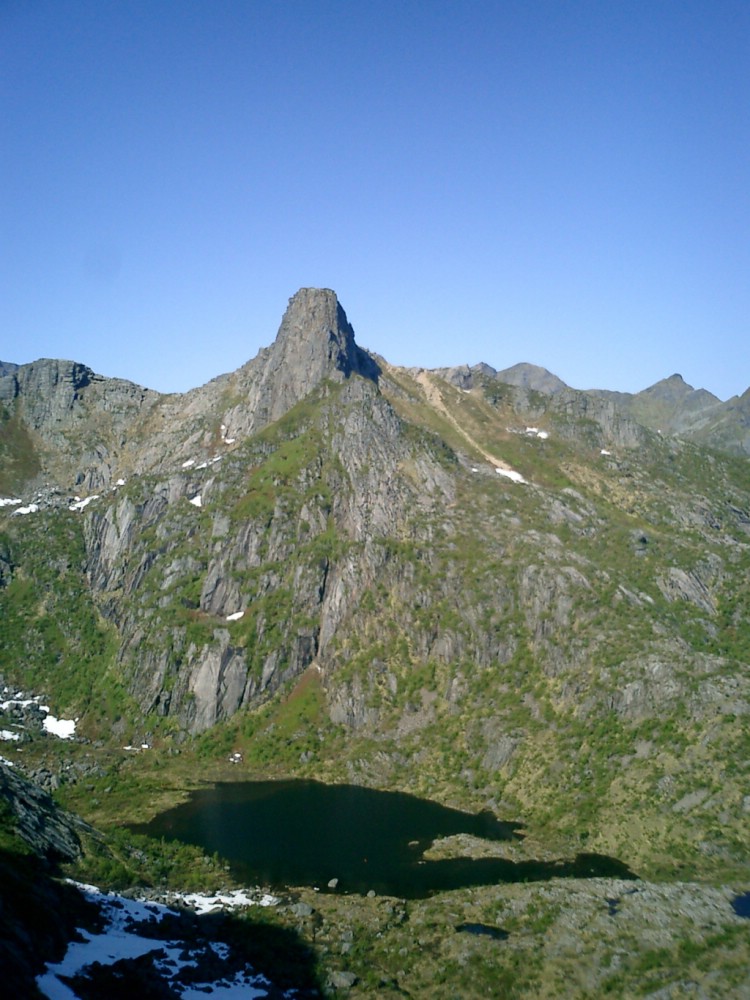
481,584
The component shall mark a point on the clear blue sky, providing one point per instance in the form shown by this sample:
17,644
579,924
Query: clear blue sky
565,183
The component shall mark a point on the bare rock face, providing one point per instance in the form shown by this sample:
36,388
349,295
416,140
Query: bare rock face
50,832
79,421
315,342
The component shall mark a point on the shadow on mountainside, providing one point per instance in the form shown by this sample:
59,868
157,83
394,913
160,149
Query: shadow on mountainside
41,915
38,917
221,947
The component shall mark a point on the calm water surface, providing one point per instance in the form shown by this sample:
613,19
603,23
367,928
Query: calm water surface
287,833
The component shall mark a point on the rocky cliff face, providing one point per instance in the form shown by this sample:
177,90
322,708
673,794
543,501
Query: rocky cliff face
49,832
77,422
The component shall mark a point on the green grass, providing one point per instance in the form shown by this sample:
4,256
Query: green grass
53,639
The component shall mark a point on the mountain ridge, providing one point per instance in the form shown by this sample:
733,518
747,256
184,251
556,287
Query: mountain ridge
314,341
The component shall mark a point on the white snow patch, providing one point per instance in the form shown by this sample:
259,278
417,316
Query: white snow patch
31,509
119,941
120,482
224,438
197,501
8,763
64,728
6,734
203,902
203,465
19,702
235,617
7,502
542,435
80,504
515,477
186,465
605,452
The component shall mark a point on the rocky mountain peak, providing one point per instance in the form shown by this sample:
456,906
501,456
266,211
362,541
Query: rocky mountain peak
315,329
674,384
316,340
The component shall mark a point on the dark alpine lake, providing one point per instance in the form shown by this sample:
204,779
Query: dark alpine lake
294,833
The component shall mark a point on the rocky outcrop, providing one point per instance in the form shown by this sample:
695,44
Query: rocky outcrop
527,376
80,421
49,832
315,342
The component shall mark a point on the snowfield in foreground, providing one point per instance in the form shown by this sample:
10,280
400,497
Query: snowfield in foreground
131,931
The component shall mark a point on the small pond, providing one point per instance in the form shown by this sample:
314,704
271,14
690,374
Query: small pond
294,833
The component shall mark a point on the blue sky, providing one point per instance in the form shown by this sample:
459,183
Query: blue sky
565,183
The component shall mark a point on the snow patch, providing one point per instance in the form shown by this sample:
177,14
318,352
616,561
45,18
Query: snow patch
120,940
186,465
197,501
31,509
7,502
605,452
19,702
235,617
6,734
64,728
81,504
515,477
203,902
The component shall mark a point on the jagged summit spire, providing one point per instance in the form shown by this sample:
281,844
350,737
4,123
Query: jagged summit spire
316,341
316,335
